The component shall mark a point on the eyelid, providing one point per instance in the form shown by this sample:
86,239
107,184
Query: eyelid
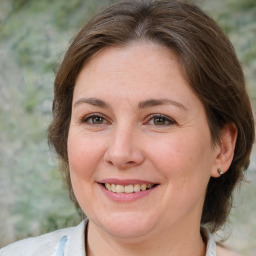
167,118
85,118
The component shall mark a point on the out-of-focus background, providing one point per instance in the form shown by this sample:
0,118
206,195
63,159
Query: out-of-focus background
33,38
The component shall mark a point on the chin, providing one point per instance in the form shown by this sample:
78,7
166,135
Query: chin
125,225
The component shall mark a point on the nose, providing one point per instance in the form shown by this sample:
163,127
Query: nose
123,150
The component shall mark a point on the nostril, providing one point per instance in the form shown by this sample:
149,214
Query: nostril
110,162
130,162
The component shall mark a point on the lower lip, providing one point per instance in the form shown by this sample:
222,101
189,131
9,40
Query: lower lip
126,197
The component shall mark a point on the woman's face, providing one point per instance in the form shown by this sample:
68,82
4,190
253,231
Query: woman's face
136,125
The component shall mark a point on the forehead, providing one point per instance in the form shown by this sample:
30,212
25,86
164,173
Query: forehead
135,71
138,60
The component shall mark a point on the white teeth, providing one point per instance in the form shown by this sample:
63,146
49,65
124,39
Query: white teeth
113,188
108,186
128,188
143,187
119,188
136,188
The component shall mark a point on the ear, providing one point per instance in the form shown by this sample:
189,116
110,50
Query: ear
225,150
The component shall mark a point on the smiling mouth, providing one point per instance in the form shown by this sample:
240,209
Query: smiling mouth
128,189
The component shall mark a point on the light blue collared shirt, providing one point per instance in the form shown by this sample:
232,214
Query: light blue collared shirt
67,242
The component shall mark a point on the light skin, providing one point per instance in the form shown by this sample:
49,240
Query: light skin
135,120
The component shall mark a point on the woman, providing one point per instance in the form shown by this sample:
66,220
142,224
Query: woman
153,128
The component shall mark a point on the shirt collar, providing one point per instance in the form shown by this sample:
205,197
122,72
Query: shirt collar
76,242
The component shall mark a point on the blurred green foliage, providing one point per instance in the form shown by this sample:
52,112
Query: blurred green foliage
33,37
238,20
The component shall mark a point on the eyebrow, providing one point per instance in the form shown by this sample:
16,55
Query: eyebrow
92,101
157,102
144,104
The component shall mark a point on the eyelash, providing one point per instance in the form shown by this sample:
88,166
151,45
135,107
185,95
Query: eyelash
163,117
88,119
167,120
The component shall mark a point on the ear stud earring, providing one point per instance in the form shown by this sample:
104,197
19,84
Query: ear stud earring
219,171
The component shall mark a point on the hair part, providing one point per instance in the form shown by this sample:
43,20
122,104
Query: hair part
207,60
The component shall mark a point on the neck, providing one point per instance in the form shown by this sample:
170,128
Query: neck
175,243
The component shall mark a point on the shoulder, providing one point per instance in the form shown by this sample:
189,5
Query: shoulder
214,248
45,243
222,251
42,245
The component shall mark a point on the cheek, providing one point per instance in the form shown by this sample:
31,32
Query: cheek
84,154
186,156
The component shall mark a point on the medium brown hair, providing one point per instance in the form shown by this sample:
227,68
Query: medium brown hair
207,60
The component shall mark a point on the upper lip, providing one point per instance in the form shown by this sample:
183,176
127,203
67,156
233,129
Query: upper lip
125,181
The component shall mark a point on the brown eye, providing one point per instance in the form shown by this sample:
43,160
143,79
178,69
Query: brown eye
97,120
94,120
160,120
